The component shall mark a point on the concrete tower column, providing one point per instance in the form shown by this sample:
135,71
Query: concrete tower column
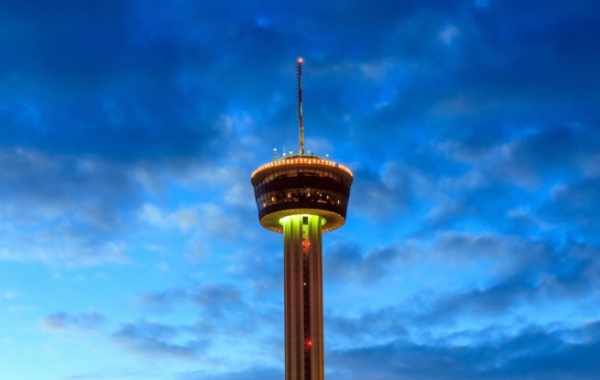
303,282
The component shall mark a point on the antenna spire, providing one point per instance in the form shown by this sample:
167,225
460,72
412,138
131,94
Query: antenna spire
300,118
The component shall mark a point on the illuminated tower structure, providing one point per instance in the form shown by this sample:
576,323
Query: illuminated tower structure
302,196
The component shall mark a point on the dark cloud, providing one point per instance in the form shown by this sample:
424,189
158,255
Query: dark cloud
387,194
552,152
346,262
109,89
383,324
165,300
531,276
43,42
31,176
253,373
531,353
223,315
513,184
264,272
159,340
574,208
489,302
67,321
215,300
515,273
512,254
219,300
87,201
219,308
92,203
545,49
174,82
109,374
484,83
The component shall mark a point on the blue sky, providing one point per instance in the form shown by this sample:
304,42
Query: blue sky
129,242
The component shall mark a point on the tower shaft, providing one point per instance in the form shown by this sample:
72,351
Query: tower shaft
303,287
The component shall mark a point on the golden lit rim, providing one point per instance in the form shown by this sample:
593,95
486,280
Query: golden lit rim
333,220
295,161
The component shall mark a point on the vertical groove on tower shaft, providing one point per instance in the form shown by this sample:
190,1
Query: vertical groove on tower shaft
317,352
307,285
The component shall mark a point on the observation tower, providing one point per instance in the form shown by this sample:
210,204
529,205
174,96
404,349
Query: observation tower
302,196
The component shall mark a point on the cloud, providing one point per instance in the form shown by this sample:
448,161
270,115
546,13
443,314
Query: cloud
347,262
108,375
523,171
9,294
385,195
204,219
66,321
230,327
35,178
159,340
105,90
84,200
531,352
252,373
219,300
164,300
574,207
165,68
79,210
510,254
364,329
214,301
487,276
526,277
263,273
555,152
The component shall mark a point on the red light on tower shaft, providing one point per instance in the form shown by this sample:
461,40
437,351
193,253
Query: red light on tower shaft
308,343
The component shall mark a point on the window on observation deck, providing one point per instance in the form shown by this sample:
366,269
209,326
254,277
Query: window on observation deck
295,195
318,171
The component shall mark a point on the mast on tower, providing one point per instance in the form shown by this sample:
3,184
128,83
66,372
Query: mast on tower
300,118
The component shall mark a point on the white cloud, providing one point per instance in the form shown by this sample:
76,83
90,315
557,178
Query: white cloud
10,294
185,218
151,214
448,34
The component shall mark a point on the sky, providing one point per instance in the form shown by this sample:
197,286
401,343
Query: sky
130,246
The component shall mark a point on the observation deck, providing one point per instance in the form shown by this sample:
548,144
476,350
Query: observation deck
302,184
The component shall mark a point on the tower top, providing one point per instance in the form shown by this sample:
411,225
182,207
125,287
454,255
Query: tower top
301,184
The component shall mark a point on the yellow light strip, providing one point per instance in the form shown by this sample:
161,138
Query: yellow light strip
296,161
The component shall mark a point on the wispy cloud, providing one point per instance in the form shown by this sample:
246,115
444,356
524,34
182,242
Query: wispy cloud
534,351
66,321
158,340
